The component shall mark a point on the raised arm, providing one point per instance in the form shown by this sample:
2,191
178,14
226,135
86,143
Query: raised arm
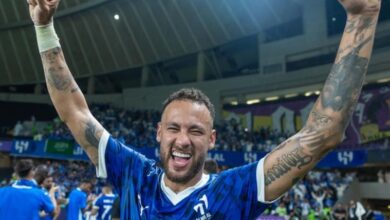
63,89
328,119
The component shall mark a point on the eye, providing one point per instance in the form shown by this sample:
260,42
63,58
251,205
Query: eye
173,129
196,132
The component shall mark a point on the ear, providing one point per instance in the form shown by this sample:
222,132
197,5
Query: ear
213,138
158,135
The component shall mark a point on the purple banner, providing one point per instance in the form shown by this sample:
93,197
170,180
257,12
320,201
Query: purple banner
370,121
5,146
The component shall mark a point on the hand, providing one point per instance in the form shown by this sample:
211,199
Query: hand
53,189
42,11
361,7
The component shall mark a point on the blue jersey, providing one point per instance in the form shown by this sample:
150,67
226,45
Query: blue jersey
48,216
23,200
234,194
76,205
104,206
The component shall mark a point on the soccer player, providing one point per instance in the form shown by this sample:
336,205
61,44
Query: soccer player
102,206
180,189
45,182
78,201
23,199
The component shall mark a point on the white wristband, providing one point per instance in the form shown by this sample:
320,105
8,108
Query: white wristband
46,37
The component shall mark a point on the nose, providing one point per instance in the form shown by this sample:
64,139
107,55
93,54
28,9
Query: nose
183,140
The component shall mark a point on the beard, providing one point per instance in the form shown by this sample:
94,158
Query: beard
196,166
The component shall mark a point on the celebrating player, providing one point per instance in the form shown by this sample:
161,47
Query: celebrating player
180,189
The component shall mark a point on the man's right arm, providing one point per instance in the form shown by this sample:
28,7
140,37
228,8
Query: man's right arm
70,103
63,89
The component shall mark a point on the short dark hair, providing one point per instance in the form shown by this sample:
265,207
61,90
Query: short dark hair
23,167
41,173
193,95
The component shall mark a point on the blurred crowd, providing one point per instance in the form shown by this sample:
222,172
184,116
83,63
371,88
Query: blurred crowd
66,174
137,128
316,196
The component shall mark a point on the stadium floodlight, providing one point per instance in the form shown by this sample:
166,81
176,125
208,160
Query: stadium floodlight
385,80
291,95
234,103
272,98
252,101
308,94
116,17
317,92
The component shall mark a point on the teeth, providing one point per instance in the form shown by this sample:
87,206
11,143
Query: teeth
182,155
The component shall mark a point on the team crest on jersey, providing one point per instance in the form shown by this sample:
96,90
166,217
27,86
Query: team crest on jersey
202,209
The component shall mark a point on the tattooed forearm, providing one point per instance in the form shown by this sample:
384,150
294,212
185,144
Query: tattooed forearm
343,86
293,159
339,88
56,76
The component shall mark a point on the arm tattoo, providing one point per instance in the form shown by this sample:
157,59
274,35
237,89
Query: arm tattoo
343,86
55,74
308,148
90,134
91,147
293,159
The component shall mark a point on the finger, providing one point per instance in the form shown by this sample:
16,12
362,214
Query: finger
31,2
41,2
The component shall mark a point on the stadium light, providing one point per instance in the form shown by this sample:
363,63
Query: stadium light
385,80
234,103
308,94
291,95
116,17
252,101
272,98
317,92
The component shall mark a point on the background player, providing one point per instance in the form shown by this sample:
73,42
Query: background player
78,201
24,200
102,206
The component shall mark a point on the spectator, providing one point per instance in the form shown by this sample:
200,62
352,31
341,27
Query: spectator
25,189
339,212
78,200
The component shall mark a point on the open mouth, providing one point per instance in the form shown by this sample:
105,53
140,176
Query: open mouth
180,159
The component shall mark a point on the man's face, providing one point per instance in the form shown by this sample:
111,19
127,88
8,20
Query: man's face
47,183
86,187
185,135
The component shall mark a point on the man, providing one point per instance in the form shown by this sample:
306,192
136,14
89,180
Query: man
102,206
45,182
24,200
78,201
180,190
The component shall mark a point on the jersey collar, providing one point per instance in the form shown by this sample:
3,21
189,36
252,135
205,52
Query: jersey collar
175,198
25,183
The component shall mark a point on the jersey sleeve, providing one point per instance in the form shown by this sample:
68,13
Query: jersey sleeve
83,201
121,165
246,185
47,204
97,202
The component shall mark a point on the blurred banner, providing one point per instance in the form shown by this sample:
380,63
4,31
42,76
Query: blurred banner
53,149
5,146
335,159
370,122
57,149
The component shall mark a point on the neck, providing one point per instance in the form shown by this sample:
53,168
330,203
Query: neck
179,187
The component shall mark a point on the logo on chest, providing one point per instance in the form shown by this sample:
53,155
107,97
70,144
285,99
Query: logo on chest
201,208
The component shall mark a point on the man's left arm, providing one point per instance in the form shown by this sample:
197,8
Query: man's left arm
328,119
